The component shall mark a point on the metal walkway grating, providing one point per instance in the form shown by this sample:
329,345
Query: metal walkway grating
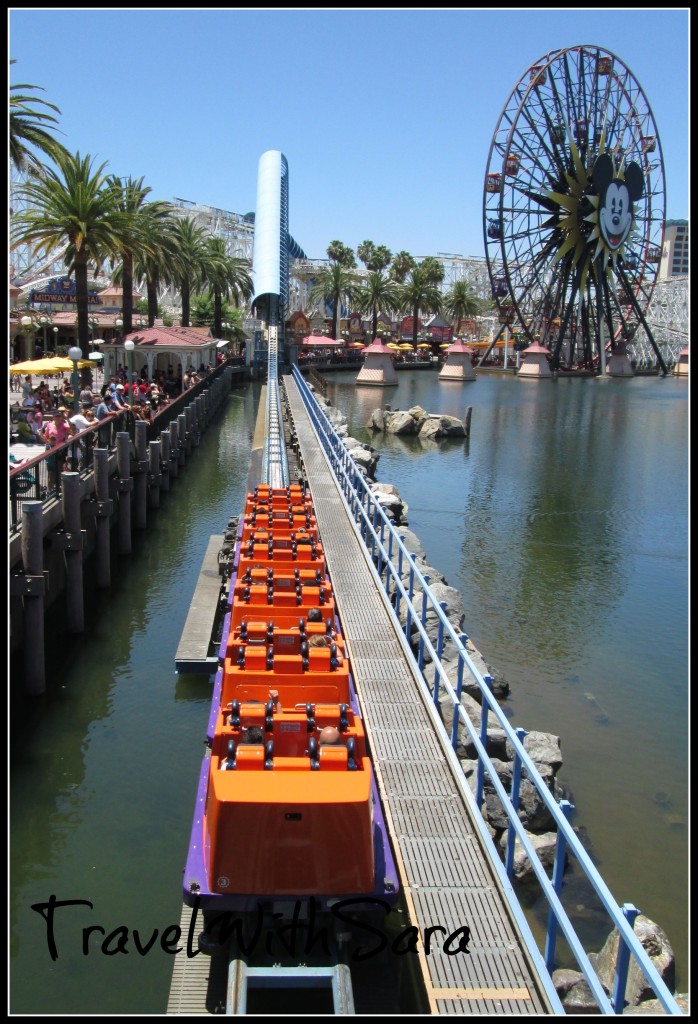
446,875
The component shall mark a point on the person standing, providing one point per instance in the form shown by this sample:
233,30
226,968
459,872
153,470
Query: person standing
80,421
104,413
55,433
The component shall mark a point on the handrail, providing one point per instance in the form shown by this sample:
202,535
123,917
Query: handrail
373,526
31,480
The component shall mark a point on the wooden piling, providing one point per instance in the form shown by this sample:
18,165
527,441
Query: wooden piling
33,595
123,461
466,421
165,460
154,474
73,544
182,427
189,434
102,517
174,448
140,487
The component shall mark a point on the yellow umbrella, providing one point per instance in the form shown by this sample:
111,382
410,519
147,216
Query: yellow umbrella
391,344
47,366
406,347
424,344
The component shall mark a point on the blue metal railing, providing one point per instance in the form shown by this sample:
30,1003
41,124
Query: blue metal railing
385,545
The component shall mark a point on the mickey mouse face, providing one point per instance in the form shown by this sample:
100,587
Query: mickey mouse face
615,216
616,197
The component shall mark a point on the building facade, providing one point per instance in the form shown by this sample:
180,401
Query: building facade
674,261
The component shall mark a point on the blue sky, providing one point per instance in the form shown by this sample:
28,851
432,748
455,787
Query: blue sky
385,117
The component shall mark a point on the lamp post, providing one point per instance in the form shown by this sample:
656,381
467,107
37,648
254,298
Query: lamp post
27,325
75,354
96,342
55,338
44,321
129,346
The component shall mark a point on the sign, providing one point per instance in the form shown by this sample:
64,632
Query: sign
61,291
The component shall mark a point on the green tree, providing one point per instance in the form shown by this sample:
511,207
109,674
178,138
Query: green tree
72,206
433,269
202,310
30,128
158,265
374,257
190,259
461,303
227,276
335,285
419,292
376,293
342,254
401,265
138,239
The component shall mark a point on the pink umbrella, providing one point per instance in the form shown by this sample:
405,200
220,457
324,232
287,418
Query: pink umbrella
320,340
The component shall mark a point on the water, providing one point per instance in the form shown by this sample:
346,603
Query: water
563,523
102,784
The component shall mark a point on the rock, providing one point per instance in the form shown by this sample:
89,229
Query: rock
544,845
657,946
364,459
564,979
411,542
390,501
442,426
577,997
400,423
655,1008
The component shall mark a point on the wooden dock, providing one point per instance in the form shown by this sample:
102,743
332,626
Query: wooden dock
192,653
446,876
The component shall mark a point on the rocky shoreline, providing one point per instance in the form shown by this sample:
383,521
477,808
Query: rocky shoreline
543,748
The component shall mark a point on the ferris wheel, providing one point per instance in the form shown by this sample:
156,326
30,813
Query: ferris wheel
573,209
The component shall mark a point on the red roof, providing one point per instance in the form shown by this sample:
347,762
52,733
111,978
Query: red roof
172,337
378,346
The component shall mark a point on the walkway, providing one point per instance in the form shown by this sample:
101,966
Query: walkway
446,876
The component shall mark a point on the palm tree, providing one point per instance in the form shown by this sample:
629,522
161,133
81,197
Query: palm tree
401,265
228,277
157,266
377,292
374,257
141,219
189,239
28,128
72,206
461,303
337,285
419,293
341,253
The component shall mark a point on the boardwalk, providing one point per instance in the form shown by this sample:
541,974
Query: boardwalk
447,878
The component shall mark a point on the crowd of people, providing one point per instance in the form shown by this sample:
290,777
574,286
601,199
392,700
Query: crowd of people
50,416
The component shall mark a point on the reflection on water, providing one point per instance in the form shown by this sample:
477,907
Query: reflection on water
563,522
103,771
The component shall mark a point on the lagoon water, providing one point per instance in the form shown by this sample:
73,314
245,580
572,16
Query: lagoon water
563,523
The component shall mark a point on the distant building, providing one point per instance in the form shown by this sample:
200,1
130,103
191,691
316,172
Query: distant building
674,262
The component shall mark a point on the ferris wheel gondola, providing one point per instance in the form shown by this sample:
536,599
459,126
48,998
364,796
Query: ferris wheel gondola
573,208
